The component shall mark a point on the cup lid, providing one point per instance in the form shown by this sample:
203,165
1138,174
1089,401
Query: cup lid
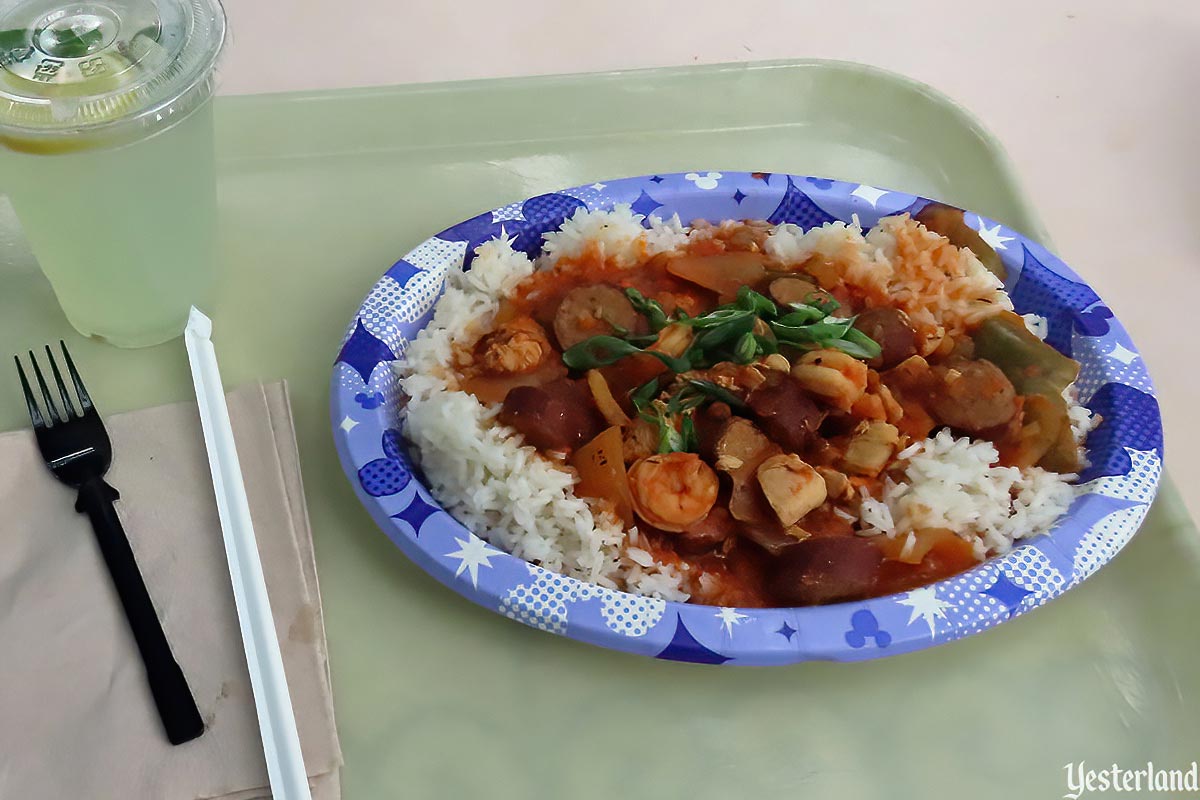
74,67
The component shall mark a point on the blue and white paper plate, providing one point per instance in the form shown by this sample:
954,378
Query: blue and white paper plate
1113,497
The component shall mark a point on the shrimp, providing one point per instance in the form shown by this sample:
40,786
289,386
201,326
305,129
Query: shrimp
515,347
673,491
838,378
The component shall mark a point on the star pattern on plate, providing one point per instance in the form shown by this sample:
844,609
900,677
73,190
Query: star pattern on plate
730,617
786,631
417,513
645,204
685,647
869,193
598,186
348,424
1038,325
926,606
363,351
472,554
1122,353
1007,592
993,237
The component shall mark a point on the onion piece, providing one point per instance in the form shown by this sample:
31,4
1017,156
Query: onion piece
602,394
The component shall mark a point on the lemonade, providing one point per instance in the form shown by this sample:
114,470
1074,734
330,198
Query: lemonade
128,258
106,153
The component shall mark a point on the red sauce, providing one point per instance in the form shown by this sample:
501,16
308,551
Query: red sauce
735,572
540,293
942,561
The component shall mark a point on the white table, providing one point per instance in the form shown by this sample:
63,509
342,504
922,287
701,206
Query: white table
1106,135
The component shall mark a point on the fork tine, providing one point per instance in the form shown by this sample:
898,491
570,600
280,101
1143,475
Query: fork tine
85,401
35,413
68,406
49,401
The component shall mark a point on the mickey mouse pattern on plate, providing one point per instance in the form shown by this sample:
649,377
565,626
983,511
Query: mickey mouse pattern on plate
1112,498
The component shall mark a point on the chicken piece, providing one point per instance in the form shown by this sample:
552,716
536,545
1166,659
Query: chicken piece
837,485
673,491
593,310
792,487
740,443
516,347
870,448
835,377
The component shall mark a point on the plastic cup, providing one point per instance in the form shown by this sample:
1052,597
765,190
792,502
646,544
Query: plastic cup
106,153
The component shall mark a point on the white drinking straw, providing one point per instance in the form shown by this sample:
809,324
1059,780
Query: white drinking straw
276,720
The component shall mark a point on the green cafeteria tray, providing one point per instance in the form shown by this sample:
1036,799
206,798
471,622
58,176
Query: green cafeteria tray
436,697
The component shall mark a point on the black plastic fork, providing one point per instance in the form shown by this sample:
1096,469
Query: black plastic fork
77,450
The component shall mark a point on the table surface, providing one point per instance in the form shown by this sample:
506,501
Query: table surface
1104,133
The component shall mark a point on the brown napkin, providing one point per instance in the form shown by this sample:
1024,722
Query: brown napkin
76,717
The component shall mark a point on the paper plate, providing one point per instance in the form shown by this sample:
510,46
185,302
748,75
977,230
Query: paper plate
1113,494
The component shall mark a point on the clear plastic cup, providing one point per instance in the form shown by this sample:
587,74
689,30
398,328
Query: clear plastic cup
106,153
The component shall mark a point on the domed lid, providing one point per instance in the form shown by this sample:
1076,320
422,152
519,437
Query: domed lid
117,67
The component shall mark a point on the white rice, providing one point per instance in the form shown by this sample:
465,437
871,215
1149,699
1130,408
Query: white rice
617,236
791,244
860,263
481,472
956,483
465,309
521,501
1081,419
876,516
